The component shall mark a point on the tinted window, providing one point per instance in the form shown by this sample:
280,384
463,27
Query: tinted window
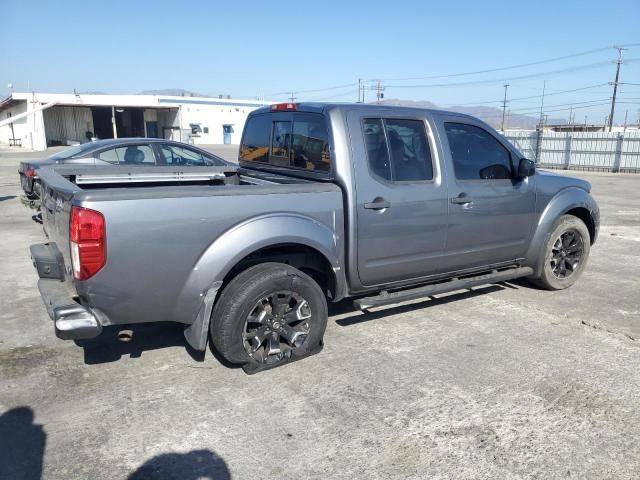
255,141
174,155
377,151
403,154
281,144
476,153
410,154
131,155
298,140
310,145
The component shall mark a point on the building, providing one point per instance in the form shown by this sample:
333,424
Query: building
40,120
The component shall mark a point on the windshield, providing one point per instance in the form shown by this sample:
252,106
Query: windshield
70,152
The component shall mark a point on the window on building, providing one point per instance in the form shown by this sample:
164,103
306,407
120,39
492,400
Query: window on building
476,153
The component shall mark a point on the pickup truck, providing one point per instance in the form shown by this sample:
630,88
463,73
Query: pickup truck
382,204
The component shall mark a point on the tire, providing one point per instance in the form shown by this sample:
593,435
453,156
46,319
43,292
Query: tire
566,252
253,322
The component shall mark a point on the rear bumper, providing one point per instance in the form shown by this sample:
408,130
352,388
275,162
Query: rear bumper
72,321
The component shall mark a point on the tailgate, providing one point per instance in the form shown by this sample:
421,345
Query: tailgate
57,194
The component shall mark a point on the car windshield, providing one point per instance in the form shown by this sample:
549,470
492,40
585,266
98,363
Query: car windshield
70,152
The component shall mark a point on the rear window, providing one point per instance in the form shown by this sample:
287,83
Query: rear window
291,140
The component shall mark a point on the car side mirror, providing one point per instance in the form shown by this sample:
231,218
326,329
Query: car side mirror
526,168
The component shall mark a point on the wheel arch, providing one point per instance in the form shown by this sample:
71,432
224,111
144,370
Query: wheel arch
308,244
569,201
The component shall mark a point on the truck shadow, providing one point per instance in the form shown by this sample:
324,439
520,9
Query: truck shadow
345,307
196,464
110,346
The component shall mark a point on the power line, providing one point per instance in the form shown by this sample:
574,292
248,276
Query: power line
559,92
498,80
498,69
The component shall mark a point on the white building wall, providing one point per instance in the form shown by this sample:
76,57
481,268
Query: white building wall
72,116
20,126
212,118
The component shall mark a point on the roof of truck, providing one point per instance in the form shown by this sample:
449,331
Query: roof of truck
319,107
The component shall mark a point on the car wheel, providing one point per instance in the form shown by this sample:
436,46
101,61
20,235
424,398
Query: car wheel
269,315
565,254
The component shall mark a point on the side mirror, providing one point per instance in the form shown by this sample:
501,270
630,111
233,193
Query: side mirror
526,168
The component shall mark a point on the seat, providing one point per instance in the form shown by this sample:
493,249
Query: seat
133,155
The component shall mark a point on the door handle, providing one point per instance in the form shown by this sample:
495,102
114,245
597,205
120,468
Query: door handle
378,203
462,199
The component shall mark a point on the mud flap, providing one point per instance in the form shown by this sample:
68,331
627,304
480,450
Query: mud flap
254,367
197,333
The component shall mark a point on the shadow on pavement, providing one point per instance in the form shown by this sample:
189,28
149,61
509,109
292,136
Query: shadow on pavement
346,306
109,347
21,445
194,465
7,197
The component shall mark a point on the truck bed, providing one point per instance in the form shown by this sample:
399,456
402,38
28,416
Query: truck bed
162,226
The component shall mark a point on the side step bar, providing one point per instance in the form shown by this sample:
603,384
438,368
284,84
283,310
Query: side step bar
386,298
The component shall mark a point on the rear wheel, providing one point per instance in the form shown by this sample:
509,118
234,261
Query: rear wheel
566,254
268,315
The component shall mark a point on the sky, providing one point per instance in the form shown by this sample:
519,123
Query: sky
319,50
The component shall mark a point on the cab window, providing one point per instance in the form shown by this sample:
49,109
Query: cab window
298,140
476,154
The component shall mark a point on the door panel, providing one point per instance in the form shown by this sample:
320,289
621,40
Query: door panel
401,225
490,216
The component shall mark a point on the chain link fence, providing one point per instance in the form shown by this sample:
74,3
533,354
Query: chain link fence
611,152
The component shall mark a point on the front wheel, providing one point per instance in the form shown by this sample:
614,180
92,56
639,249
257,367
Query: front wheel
269,315
565,254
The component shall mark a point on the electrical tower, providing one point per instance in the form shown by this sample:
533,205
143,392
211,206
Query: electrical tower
615,86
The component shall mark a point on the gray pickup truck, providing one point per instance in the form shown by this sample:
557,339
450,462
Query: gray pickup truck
381,204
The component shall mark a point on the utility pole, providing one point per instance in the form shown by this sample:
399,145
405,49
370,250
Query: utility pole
504,105
293,98
626,115
615,86
379,91
544,86
360,89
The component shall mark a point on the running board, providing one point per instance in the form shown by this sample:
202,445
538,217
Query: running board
386,298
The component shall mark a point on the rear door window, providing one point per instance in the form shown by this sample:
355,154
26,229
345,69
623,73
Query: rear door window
398,149
129,155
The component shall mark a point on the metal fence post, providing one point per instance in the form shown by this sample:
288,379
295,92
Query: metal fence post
538,144
567,151
618,158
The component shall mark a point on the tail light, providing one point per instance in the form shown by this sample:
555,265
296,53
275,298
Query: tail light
31,173
88,242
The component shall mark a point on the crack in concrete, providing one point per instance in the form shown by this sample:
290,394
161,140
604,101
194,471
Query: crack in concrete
607,330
